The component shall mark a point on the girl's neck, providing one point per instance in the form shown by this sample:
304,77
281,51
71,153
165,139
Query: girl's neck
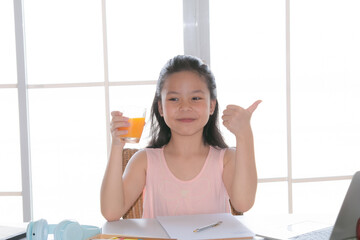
186,145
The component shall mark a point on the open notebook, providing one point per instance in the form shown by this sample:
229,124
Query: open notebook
184,227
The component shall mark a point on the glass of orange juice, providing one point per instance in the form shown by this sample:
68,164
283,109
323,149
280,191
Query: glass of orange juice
136,117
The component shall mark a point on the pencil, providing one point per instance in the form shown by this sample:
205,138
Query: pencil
208,226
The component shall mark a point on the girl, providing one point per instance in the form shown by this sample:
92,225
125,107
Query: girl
187,167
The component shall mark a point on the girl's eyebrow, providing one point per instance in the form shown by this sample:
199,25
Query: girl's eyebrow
172,92
195,91
198,91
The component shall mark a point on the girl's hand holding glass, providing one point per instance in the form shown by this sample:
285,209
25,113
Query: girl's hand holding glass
118,121
128,124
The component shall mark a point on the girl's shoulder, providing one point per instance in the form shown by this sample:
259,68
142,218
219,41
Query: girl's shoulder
230,150
151,149
140,153
139,159
154,153
143,154
227,150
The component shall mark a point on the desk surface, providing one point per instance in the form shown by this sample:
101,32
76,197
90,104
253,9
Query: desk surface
152,228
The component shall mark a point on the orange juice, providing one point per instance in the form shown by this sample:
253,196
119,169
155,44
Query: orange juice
134,130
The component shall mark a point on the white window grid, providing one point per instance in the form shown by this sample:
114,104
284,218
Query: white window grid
196,42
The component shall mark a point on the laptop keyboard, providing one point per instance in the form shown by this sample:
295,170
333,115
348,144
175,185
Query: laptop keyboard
321,234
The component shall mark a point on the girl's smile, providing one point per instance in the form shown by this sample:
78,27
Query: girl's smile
186,120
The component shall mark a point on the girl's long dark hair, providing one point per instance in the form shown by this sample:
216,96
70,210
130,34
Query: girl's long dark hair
160,133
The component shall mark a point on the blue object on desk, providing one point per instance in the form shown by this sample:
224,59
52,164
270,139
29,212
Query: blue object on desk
65,230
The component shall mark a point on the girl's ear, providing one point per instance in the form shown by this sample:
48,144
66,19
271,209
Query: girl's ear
160,108
212,106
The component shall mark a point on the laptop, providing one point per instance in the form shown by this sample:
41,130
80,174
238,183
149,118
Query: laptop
345,224
12,233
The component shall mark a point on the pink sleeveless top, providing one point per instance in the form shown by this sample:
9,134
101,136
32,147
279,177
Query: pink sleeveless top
166,195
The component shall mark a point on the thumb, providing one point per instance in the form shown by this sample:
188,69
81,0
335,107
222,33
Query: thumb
253,107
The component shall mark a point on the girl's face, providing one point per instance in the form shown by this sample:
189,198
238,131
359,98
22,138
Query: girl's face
185,103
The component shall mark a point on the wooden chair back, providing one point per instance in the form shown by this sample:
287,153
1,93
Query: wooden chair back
136,209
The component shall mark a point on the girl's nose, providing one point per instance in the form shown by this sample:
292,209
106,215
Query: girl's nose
185,106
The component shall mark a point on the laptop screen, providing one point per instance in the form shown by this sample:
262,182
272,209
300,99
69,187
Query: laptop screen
345,225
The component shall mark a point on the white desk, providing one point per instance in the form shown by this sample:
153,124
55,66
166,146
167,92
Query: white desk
151,227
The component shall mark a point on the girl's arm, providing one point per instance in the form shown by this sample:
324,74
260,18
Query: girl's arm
240,175
119,191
